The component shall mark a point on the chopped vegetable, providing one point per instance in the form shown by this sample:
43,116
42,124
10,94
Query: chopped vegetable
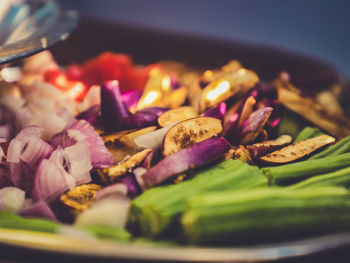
263,148
232,83
157,210
191,157
265,215
342,146
312,111
297,150
295,172
189,132
113,110
308,133
111,173
175,115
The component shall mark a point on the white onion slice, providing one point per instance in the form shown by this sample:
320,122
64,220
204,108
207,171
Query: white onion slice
108,212
12,199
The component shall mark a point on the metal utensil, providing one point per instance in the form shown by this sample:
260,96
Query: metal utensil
30,26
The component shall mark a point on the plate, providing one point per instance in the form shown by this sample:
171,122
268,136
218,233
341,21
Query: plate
147,46
49,245
30,26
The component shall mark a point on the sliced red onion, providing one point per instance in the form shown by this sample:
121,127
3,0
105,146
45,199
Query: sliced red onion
113,110
131,98
217,112
62,140
12,103
79,163
39,209
133,188
144,118
188,158
29,131
12,199
107,212
149,160
100,156
44,89
4,177
92,115
139,172
52,124
58,157
35,150
14,151
153,139
49,182
24,154
91,98
118,189
5,131
66,115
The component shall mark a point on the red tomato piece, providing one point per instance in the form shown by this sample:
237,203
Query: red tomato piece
56,78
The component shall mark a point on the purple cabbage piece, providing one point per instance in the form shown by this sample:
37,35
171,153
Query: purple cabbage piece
188,158
113,109
217,112
144,118
131,98
92,115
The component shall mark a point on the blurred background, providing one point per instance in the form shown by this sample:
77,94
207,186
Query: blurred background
320,28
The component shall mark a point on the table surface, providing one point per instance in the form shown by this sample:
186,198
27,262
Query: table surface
316,27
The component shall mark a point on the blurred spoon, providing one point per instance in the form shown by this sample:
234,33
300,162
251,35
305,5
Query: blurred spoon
30,26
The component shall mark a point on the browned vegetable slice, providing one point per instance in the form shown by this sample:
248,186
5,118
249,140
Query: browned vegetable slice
247,109
111,173
177,97
297,150
263,148
242,154
122,143
190,132
230,84
80,198
174,115
211,75
337,124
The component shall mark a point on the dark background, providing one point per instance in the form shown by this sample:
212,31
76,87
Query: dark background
319,28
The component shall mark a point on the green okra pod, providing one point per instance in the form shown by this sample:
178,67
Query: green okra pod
261,215
296,172
339,178
342,146
157,211
308,133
